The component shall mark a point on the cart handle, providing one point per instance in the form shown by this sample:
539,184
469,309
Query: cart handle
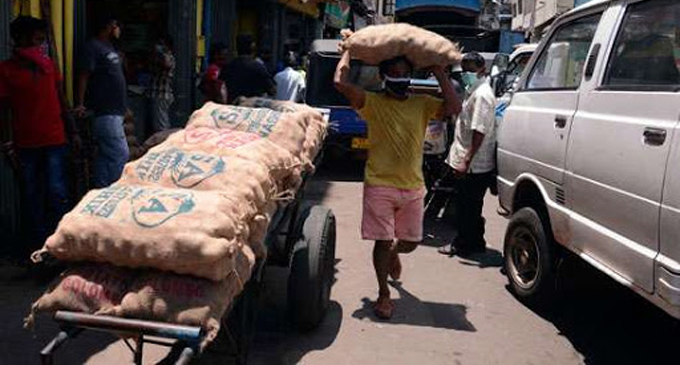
131,326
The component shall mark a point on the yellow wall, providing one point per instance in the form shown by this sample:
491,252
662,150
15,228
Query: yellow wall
69,24
57,17
200,37
27,7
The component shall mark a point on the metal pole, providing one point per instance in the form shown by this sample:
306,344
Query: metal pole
186,356
47,353
139,350
131,326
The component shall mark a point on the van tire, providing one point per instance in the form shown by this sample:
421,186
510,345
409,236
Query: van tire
530,259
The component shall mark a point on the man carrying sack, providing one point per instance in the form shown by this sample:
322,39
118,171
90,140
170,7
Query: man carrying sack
394,189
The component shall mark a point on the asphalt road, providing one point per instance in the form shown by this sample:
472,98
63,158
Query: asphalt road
449,310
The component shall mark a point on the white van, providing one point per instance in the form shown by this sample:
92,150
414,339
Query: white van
589,151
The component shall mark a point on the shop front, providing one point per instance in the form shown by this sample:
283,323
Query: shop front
143,22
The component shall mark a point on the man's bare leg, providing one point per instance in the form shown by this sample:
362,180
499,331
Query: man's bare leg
403,247
382,262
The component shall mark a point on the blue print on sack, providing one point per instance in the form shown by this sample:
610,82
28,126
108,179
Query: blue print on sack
186,169
259,121
193,169
106,202
269,104
153,207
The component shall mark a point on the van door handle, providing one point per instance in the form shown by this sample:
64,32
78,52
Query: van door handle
654,136
560,121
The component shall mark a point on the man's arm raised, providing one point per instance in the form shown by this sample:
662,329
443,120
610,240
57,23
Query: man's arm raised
452,103
353,93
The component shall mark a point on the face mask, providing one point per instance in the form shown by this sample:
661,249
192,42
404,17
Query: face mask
469,79
397,86
36,55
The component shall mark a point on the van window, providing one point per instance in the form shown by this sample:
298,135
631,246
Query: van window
517,65
561,63
646,54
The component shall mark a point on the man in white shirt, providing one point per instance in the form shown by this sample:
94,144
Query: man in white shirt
290,84
473,157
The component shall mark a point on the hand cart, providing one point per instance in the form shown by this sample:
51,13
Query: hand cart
300,235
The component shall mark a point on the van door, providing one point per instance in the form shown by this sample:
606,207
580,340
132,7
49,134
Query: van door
537,122
668,272
620,140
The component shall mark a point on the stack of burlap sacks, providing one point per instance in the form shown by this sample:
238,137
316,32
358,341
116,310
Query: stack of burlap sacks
177,237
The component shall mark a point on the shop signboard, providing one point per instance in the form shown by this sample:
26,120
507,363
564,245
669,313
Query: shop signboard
337,14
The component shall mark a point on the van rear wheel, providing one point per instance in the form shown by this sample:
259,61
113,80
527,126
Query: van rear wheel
530,260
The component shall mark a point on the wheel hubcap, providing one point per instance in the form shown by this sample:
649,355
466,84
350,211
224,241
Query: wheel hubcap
524,258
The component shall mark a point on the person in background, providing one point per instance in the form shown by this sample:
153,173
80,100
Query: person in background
244,76
393,202
290,84
212,87
102,80
30,86
302,68
161,94
473,157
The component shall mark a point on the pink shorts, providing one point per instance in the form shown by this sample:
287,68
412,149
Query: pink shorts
391,213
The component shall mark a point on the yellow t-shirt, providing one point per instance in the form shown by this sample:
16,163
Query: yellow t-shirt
396,130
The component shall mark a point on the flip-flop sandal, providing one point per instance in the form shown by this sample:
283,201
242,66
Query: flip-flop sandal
395,270
447,250
383,308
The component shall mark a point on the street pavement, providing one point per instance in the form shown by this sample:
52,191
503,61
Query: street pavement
448,310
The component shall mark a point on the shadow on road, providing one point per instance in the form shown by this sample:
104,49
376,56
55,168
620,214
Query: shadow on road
287,346
490,259
21,346
412,311
608,323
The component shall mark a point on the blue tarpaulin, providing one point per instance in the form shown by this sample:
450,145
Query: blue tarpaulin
461,4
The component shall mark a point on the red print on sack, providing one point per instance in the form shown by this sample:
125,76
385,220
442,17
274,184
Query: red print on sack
220,138
235,139
198,135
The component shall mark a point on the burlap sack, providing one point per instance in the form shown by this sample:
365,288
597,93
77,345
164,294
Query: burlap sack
316,129
288,130
314,138
184,231
378,43
187,300
93,289
180,168
249,146
276,105
158,138
259,227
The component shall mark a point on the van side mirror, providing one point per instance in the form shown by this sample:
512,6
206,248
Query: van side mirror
499,83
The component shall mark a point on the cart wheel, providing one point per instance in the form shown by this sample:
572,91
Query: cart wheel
312,268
